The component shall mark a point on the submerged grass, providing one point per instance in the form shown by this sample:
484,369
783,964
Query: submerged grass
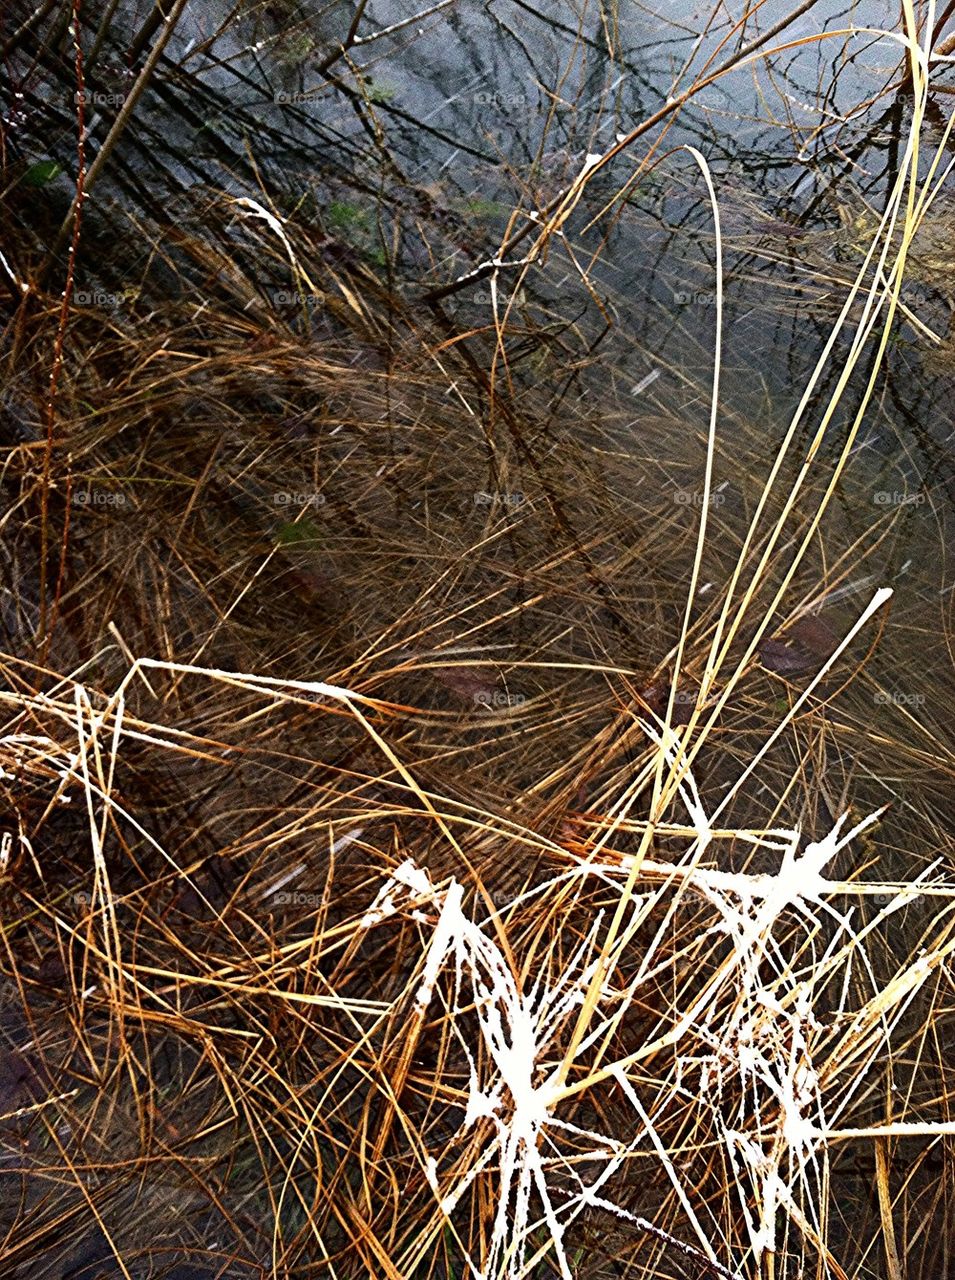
443,839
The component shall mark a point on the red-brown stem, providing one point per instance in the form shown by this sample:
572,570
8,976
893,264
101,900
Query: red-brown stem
46,622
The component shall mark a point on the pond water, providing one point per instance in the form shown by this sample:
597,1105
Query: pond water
473,115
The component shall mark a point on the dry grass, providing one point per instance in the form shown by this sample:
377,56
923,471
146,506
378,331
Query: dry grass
425,855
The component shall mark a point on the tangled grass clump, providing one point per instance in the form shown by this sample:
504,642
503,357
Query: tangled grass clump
450,829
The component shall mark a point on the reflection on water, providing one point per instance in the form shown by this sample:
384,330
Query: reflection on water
445,128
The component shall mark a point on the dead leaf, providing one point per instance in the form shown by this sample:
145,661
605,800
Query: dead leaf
469,683
803,647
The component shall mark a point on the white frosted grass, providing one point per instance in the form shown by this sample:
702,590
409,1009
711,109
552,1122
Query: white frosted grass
519,1031
11,274
258,211
645,382
756,1021
519,1034
737,1059
671,745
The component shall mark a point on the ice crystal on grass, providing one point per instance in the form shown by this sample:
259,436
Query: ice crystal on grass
519,1032
744,1049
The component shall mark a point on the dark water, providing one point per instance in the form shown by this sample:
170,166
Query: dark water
475,112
